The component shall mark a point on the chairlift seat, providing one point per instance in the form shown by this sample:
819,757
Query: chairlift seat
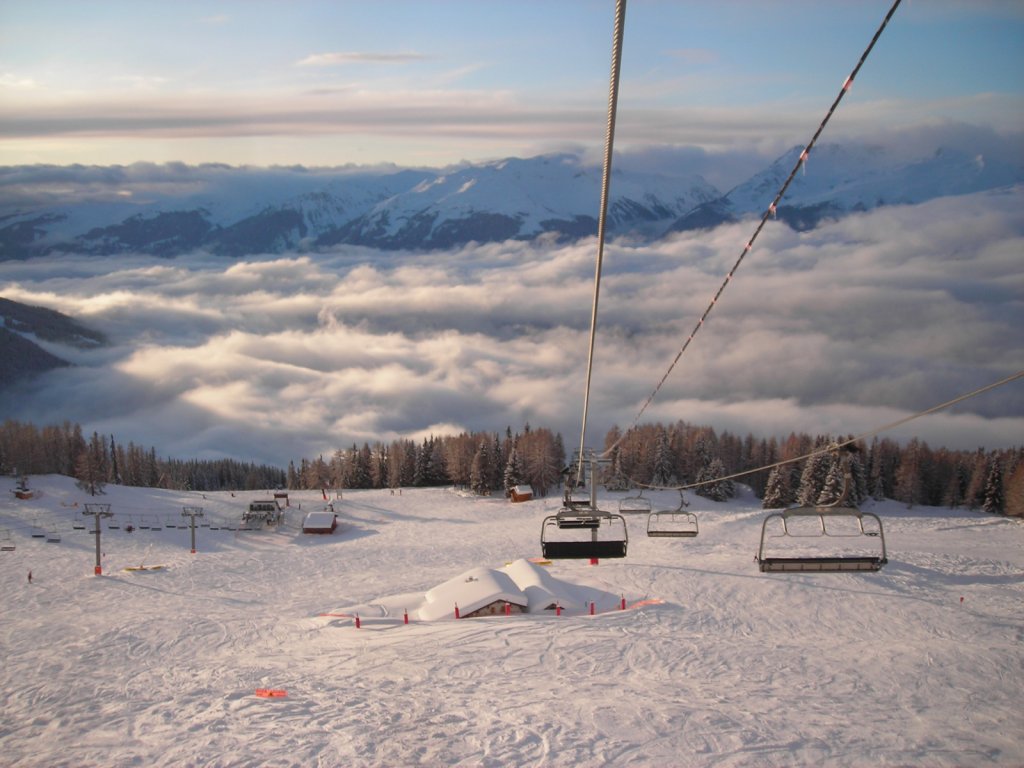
582,550
611,545
672,523
577,521
634,505
820,564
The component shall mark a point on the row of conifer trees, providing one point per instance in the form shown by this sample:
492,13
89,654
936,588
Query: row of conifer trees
653,455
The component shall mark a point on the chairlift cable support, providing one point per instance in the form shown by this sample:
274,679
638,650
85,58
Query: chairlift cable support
613,99
769,213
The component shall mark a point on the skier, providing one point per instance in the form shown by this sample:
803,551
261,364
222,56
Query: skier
30,577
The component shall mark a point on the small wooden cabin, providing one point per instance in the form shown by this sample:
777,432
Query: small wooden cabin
325,522
521,493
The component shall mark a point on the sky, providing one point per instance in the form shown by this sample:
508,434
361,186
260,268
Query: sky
435,83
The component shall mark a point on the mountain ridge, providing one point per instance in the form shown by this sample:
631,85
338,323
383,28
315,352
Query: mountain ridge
175,209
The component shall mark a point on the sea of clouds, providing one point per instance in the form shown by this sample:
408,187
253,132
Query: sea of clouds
838,330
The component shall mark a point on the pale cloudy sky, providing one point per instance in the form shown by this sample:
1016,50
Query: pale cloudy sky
331,82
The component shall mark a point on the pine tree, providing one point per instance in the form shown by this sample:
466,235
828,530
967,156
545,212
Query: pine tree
1015,491
115,472
664,460
812,478
89,470
480,473
513,471
717,489
995,498
776,491
909,482
835,482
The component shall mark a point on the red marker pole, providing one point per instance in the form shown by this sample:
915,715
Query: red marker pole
457,611
359,624
405,617
558,609
622,605
591,607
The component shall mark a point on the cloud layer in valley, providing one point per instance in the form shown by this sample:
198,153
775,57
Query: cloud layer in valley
841,329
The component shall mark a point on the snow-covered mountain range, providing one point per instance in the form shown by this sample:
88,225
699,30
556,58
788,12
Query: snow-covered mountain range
167,210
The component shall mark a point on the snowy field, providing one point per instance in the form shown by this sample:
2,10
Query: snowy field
921,664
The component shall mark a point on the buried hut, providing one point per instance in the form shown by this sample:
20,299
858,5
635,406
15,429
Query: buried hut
477,592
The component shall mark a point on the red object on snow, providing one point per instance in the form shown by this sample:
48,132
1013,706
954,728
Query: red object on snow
271,693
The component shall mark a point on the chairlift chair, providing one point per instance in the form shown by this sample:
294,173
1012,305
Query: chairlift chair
826,523
673,523
635,505
53,537
7,543
806,528
573,536
581,531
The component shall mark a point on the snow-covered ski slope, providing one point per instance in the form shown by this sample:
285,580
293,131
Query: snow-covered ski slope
733,668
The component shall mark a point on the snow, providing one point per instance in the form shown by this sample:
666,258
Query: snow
712,664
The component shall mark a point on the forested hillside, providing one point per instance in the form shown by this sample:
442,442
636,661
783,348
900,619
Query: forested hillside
492,462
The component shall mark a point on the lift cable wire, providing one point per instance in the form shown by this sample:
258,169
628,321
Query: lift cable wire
835,446
613,99
769,213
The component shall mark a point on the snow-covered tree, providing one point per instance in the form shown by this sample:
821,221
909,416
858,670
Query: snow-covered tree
777,493
812,477
717,489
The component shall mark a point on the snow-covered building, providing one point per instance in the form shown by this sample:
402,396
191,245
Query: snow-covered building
324,521
477,592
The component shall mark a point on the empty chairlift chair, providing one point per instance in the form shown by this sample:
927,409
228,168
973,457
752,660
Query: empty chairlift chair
821,524
635,505
825,538
673,523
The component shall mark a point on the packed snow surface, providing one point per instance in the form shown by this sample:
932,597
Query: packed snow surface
712,663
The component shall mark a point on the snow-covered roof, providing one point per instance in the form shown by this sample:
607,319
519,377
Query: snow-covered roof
471,591
318,520
522,490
